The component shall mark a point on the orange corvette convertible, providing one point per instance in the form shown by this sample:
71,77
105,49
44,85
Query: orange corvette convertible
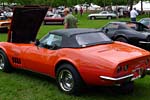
74,57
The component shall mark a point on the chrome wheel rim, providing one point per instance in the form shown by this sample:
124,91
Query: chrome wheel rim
92,18
109,17
66,80
2,63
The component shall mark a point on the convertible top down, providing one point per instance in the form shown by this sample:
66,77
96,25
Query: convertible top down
74,57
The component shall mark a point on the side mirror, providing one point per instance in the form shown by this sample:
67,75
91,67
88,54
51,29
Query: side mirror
37,42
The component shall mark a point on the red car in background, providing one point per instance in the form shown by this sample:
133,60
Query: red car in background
54,19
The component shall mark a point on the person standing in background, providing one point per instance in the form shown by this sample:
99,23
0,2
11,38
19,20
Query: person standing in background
133,14
76,11
81,11
69,21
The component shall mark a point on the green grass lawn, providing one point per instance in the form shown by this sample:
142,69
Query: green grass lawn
22,85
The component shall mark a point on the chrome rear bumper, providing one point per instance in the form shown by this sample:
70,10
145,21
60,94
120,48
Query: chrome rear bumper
116,79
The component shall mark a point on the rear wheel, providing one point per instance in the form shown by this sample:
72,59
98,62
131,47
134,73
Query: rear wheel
122,39
68,79
127,88
4,63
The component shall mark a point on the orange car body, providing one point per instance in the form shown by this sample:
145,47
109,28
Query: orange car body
92,62
104,63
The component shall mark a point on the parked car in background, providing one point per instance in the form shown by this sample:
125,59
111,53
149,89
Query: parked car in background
49,13
103,14
54,19
4,24
145,21
8,14
6,11
133,33
60,9
74,57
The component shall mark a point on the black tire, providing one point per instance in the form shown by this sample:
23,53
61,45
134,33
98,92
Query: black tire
109,17
121,39
4,63
68,79
92,18
44,23
62,23
127,88
4,30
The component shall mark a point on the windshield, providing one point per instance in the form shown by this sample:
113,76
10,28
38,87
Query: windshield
125,26
90,39
128,26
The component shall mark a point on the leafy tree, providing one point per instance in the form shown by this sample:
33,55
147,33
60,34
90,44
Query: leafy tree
130,2
73,2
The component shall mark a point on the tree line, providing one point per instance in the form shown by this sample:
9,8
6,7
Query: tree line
70,3
55,3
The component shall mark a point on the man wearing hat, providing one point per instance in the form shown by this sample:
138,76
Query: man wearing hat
70,21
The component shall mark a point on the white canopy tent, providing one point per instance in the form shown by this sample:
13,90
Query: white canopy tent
146,6
91,6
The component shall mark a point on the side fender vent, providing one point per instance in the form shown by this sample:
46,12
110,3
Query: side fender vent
16,60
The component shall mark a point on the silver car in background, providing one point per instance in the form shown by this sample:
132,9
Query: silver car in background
103,14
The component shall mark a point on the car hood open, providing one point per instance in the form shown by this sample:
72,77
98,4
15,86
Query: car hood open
25,24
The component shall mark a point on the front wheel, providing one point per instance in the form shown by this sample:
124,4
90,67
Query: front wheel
109,17
4,63
92,18
68,79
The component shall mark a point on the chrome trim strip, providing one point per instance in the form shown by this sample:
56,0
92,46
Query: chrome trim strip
144,42
116,79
